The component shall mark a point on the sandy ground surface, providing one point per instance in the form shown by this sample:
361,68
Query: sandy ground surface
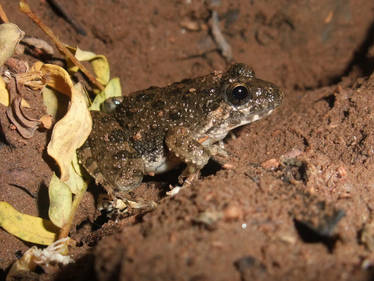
296,200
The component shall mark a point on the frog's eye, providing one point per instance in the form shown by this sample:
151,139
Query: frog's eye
238,94
110,105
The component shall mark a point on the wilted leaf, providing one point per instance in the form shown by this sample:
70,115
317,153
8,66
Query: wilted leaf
25,124
76,182
60,198
70,132
99,64
50,100
28,228
56,103
10,35
40,44
25,104
56,253
46,121
113,89
56,77
4,95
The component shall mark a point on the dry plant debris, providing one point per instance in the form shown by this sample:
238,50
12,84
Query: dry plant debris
66,191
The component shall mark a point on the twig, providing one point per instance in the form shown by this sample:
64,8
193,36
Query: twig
25,8
221,42
3,16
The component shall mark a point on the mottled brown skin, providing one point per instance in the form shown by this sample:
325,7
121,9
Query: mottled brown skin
153,130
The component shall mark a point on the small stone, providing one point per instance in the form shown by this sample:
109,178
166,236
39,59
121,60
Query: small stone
270,164
190,25
232,213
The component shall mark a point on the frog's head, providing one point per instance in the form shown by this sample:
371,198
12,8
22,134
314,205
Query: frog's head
249,98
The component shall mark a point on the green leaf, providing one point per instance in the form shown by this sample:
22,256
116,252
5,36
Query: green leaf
28,228
60,197
113,89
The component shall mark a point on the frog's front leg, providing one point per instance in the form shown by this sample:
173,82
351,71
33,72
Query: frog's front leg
181,143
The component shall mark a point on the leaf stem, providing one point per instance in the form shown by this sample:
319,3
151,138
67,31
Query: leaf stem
3,16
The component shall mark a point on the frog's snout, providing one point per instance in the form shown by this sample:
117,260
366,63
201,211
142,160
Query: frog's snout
273,95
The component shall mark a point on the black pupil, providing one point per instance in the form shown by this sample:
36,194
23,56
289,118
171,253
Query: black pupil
240,92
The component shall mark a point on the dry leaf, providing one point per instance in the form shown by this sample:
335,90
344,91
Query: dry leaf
99,64
76,182
40,44
25,125
60,198
10,35
28,228
56,104
4,95
55,76
70,132
46,121
55,253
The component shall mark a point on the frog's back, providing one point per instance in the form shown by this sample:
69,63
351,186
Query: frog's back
179,104
147,115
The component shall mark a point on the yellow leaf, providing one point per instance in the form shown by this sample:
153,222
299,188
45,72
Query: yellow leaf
70,132
10,35
84,55
56,77
4,95
99,64
28,228
50,100
113,89
60,198
55,103
76,182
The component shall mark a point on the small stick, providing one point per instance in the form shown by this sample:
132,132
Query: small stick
217,34
3,16
25,8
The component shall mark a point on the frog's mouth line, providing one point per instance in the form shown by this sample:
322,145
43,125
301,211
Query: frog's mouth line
252,118
257,116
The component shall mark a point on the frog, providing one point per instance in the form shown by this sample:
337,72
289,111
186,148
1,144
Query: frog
155,130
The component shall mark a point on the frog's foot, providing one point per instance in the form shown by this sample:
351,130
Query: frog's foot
189,174
129,205
218,150
118,207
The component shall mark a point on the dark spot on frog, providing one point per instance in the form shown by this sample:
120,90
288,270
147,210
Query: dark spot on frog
90,161
210,105
116,136
158,104
106,119
124,154
175,115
